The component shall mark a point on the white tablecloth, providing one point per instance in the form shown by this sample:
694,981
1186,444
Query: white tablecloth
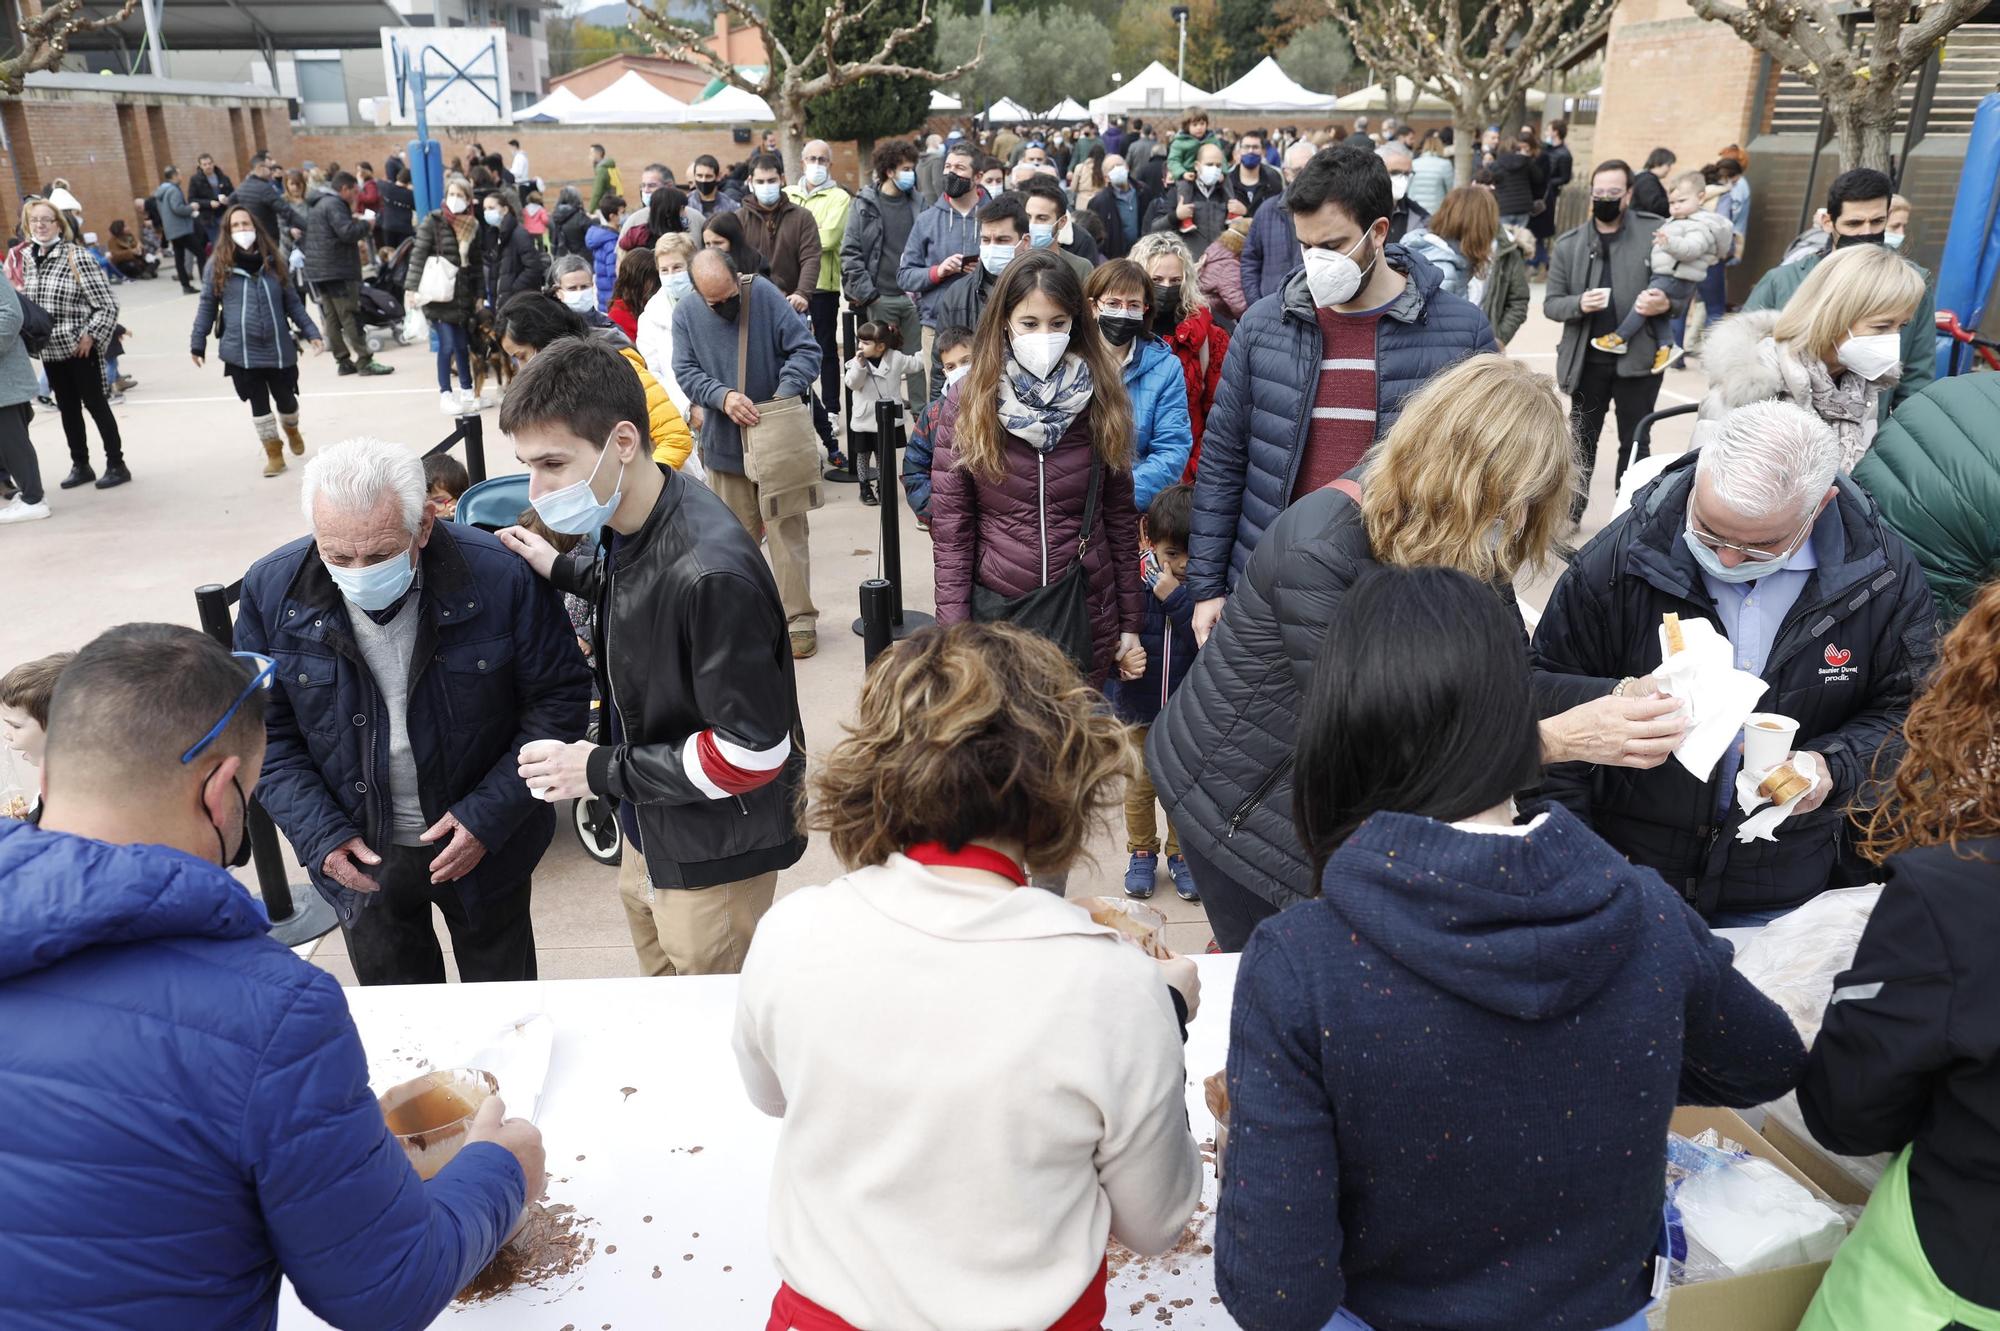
688,1150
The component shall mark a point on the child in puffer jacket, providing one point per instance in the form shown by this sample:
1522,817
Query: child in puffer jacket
954,348
1692,240
1168,638
875,374
602,240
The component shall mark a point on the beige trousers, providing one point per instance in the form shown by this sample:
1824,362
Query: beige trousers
786,540
691,931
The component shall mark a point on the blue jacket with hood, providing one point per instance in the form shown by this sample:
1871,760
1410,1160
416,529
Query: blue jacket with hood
1162,434
193,1115
1450,1075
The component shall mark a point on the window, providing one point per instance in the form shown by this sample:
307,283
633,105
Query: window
524,21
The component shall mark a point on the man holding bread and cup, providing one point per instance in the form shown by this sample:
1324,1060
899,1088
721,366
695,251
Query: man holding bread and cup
1812,621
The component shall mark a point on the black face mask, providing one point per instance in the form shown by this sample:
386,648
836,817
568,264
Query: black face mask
1607,210
241,856
957,187
1119,329
1867,238
1166,305
707,187
729,309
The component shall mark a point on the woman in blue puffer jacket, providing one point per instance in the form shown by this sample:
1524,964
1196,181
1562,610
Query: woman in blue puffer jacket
602,241
248,303
1121,299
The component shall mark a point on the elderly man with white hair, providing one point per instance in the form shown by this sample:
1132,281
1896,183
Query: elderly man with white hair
1792,563
414,658
1410,216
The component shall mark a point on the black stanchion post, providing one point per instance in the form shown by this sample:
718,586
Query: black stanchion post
291,923
876,631
901,623
474,430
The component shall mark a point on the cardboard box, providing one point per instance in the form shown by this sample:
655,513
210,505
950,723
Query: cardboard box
1768,1300
1815,1163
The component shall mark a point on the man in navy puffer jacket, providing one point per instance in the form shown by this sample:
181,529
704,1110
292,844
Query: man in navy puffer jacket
188,1102
1293,412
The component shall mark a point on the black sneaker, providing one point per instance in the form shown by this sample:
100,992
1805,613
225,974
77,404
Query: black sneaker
347,367
868,495
78,476
376,367
45,399
114,475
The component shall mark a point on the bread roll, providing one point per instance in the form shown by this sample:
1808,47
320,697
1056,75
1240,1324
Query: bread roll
1783,783
1675,642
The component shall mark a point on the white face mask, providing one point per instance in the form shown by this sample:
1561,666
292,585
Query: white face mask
1874,356
994,258
767,194
1399,186
1038,353
1894,239
245,240
1208,175
1333,277
494,217
1119,175
454,203
815,174
583,300
956,373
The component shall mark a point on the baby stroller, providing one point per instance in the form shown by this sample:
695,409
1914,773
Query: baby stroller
381,311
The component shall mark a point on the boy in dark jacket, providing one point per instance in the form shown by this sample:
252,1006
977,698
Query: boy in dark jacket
1168,638
954,348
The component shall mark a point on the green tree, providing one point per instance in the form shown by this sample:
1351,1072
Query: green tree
880,107
1320,57
1146,32
574,43
1037,58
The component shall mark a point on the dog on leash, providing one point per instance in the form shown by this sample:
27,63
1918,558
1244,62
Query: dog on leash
487,356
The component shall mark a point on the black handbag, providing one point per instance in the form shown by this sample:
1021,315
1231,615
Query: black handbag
1058,610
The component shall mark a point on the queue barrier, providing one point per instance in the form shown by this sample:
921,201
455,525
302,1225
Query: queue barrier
298,913
883,619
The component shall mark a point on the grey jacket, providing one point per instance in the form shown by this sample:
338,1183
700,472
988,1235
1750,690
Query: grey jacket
17,371
1577,264
176,214
938,234
332,233
862,260
784,362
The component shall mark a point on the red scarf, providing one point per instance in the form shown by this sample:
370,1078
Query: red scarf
935,853
793,1311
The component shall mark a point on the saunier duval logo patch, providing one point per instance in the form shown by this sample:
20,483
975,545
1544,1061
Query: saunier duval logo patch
1838,663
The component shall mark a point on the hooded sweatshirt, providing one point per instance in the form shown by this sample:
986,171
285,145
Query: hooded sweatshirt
197,1102
1450,1078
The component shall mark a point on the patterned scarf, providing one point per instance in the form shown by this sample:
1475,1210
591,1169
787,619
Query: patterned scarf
1042,410
1845,402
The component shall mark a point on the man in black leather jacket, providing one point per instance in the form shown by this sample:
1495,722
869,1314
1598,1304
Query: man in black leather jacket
700,738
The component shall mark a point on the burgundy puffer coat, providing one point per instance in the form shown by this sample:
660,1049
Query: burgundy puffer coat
995,533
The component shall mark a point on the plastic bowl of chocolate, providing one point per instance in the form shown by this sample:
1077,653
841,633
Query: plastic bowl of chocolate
431,1115
1137,924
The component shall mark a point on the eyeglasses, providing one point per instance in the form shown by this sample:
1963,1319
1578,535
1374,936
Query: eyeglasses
1117,305
266,668
1614,194
1750,552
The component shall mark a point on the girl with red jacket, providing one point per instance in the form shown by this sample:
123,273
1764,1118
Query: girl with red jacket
1181,316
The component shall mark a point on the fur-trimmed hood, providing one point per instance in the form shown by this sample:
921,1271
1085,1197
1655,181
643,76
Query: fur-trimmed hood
1738,371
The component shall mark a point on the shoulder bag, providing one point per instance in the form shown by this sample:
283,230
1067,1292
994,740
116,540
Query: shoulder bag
439,283
1058,610
781,451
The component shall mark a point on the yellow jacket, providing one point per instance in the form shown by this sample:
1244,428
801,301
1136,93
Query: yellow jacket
828,205
671,441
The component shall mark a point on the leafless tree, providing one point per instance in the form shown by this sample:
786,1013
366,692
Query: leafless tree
1858,76
45,34
792,79
1478,57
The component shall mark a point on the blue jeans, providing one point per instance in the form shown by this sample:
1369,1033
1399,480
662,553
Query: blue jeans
1347,1321
452,345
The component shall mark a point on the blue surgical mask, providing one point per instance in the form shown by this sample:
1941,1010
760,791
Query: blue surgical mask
494,218
767,194
645,198
993,258
575,509
375,586
906,180
1251,161
678,286
1041,235
1711,563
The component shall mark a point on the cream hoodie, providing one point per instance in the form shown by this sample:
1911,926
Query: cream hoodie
979,1085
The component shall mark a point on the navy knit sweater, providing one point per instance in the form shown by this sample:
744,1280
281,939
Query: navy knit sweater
1450,1079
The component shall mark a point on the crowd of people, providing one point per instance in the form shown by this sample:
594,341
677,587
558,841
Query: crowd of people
1229,486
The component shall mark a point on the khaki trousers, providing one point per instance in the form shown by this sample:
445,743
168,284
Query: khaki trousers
692,931
785,539
1142,832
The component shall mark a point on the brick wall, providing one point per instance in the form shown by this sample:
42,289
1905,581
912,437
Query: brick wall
1675,81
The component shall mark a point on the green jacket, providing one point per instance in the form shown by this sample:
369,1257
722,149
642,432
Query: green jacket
1181,153
605,182
1775,288
1935,472
1505,301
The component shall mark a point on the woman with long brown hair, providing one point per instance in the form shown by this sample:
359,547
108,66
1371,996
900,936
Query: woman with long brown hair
1031,483
964,1164
250,307
1907,1060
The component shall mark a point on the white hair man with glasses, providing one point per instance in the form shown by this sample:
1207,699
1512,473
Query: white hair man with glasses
414,658
196,1096
1758,534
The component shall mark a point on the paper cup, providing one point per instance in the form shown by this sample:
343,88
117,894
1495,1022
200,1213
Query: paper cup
1767,739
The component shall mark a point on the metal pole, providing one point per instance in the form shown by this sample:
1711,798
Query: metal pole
474,429
155,56
1180,63
874,627
852,471
901,623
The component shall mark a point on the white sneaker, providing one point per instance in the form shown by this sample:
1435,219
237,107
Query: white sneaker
23,511
468,402
448,403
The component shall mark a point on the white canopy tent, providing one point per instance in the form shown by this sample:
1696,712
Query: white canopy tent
1268,88
944,101
1007,111
729,106
631,100
1066,112
1372,98
558,105
1138,94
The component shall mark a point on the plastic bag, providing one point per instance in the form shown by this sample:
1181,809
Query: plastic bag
1794,959
1751,1216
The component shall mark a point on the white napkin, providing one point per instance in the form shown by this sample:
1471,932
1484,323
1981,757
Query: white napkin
1719,697
1763,826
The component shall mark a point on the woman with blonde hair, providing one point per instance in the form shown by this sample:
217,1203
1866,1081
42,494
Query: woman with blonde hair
1834,349
1477,475
965,1163
1432,174
61,276
1906,1061
672,253
1032,512
1182,317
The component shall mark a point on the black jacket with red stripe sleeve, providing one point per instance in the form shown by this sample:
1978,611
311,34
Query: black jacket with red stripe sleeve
700,708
